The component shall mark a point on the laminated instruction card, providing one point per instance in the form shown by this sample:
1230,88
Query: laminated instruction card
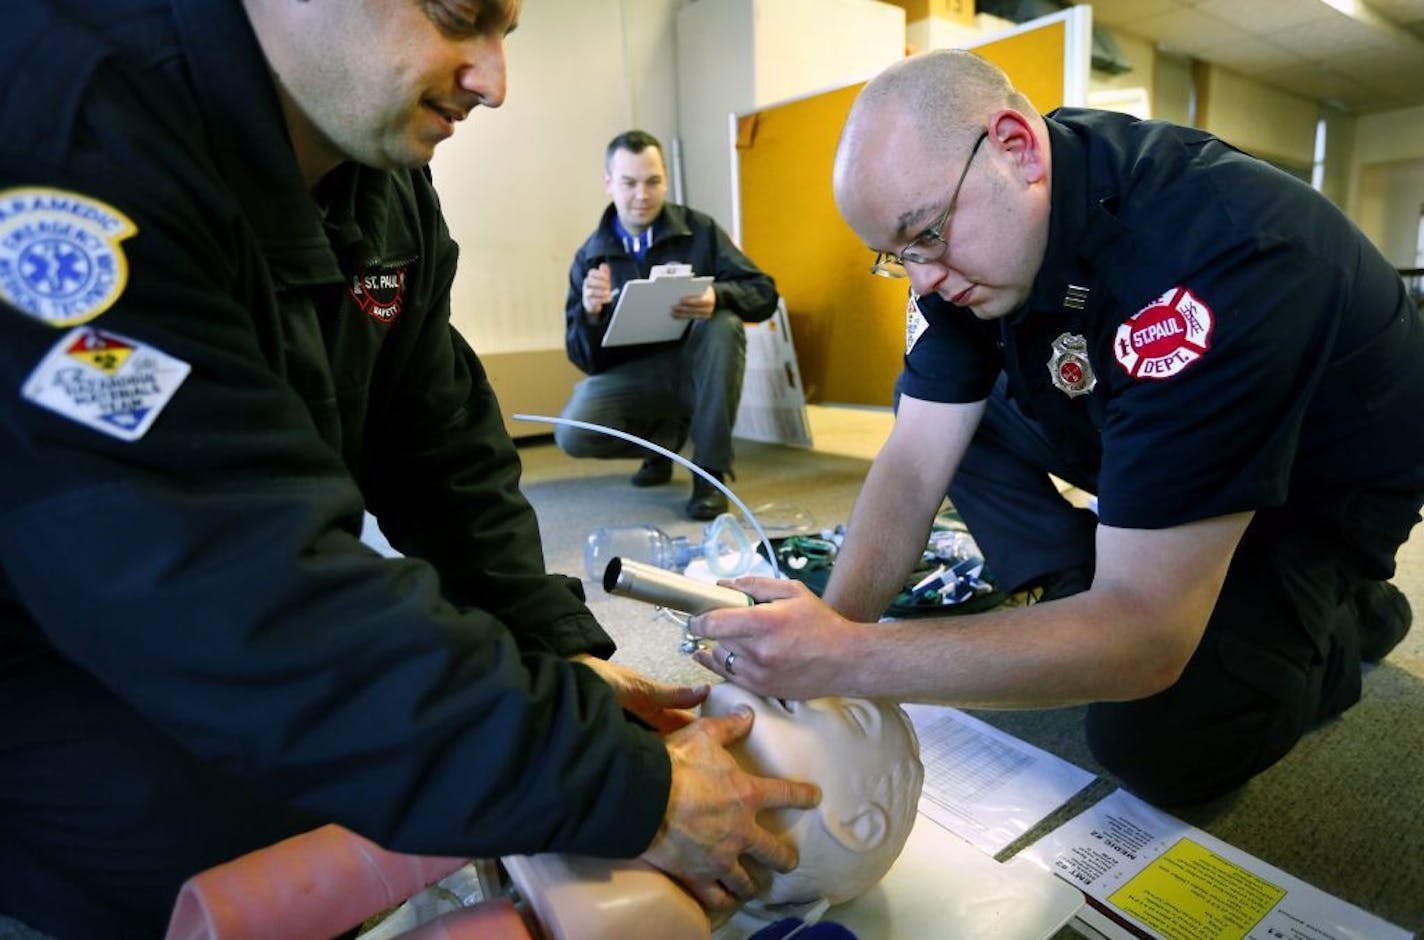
1153,875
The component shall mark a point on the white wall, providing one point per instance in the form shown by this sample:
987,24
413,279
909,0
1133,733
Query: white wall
1387,185
1261,120
1390,135
735,56
809,46
1391,199
522,185
935,32
716,73
1172,94
1114,92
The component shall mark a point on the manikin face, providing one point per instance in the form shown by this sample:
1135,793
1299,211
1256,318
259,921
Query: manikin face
996,234
388,79
637,184
865,758
862,754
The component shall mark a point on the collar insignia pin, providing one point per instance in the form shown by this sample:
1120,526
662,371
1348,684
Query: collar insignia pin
1069,367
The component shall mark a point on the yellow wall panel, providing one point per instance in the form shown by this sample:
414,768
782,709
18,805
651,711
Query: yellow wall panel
849,326
1034,61
791,226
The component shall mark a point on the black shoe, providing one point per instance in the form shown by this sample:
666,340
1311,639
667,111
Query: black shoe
707,501
1384,617
655,471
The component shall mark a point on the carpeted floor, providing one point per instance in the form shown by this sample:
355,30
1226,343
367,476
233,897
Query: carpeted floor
1344,811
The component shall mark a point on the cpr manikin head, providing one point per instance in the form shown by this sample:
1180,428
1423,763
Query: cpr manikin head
865,758
862,754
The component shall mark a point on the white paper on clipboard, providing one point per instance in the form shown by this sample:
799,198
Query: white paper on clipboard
644,310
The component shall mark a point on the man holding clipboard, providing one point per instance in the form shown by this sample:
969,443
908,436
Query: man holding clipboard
664,379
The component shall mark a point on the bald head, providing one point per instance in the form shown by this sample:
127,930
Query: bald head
937,101
941,154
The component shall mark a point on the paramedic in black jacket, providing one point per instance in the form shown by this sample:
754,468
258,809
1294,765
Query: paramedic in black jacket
664,392
224,329
1201,340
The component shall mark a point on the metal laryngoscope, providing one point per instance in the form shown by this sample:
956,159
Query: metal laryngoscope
668,589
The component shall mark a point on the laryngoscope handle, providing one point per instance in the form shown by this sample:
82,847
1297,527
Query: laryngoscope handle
654,585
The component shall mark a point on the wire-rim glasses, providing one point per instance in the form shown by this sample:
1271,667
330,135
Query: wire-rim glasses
930,245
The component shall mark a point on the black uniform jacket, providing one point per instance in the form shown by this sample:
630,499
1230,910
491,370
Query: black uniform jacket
207,569
679,234
1251,349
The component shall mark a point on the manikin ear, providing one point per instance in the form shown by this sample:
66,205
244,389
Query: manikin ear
1013,133
864,831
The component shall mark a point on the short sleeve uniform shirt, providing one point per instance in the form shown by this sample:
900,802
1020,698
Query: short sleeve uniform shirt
1245,346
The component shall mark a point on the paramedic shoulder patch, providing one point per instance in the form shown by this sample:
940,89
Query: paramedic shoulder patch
105,381
60,258
1164,337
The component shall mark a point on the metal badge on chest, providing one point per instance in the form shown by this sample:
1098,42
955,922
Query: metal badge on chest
1069,367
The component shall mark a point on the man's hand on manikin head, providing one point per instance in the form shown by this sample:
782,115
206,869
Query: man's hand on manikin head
710,830
864,756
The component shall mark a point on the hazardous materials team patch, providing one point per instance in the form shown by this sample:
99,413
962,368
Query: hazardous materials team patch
1164,337
60,257
105,381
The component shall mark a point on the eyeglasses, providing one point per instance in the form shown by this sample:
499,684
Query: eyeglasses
929,246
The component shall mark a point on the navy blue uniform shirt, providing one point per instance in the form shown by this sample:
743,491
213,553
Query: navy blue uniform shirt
1251,349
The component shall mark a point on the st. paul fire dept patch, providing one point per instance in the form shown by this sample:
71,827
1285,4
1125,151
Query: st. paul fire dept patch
1164,337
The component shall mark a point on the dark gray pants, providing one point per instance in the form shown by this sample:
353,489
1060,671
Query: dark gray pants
687,392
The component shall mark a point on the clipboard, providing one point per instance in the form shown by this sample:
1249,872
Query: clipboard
644,310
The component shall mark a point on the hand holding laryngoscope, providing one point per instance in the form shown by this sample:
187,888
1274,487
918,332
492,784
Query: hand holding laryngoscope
627,578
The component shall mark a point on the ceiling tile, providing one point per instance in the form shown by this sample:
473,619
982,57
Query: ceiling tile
1124,12
1321,41
1364,99
1252,56
1380,63
1401,11
1305,47
1312,81
1267,17
1403,85
1188,31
